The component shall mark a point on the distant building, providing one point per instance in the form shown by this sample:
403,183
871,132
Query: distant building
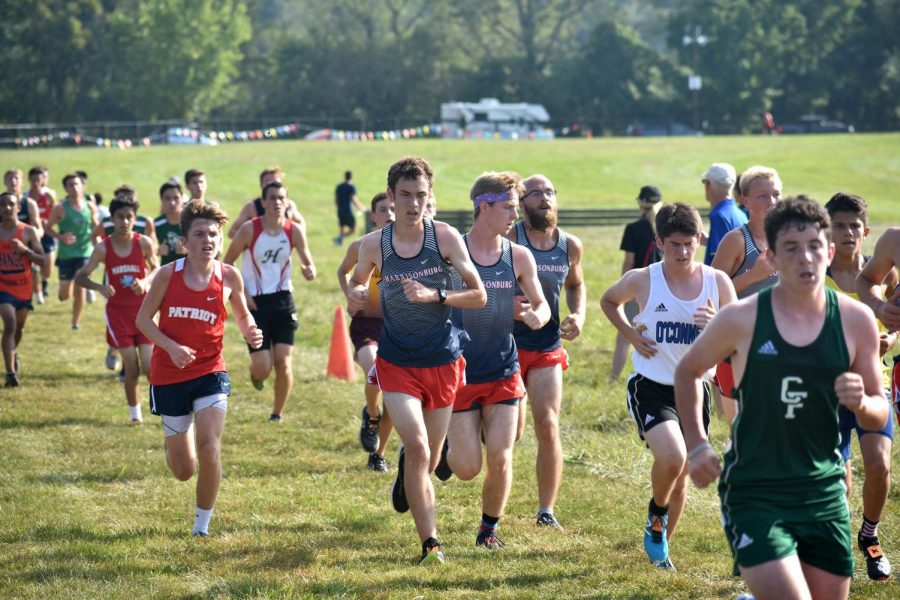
490,118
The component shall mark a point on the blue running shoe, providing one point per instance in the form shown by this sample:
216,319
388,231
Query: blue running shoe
655,543
398,492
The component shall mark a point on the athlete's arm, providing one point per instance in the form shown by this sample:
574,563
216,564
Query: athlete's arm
576,292
234,288
298,239
717,341
240,243
140,286
29,246
537,312
727,295
56,215
350,259
245,215
82,277
181,356
860,388
34,218
150,229
451,244
870,279
632,285
729,253
294,215
358,204
368,260
97,233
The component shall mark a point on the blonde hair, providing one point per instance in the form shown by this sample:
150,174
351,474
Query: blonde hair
754,173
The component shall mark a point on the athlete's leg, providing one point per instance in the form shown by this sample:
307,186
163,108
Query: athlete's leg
500,422
78,299
365,357
669,458
21,317
181,454
209,424
876,455
284,375
145,354
132,372
8,315
848,477
620,355
260,364
824,585
781,579
47,267
385,426
422,436
523,414
545,390
464,444
65,289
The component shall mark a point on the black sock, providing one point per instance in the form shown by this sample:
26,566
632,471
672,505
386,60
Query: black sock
430,543
489,522
659,511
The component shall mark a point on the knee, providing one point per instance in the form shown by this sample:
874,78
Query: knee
499,462
878,467
418,456
546,427
283,367
259,370
182,472
208,453
672,464
465,469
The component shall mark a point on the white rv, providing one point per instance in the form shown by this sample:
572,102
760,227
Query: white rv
491,119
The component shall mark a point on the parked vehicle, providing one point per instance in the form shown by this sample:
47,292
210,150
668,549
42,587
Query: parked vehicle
656,129
815,124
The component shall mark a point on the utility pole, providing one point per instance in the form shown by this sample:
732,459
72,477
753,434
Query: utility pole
695,82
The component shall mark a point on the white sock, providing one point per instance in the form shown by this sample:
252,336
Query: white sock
201,520
135,412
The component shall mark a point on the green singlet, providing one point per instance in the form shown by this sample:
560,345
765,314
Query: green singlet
167,234
784,453
77,222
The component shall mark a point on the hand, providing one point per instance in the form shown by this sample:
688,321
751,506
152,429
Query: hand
762,268
254,336
182,356
644,346
889,312
308,271
107,291
251,303
139,287
886,341
18,247
357,300
520,305
416,292
850,390
163,249
529,318
705,467
705,314
67,238
571,326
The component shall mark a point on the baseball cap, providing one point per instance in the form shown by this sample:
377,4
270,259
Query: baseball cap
649,194
720,173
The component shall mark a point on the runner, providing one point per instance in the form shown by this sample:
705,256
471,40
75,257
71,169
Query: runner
254,208
365,329
46,200
20,248
799,351
742,256
168,224
187,374
266,244
677,298
345,199
849,224
130,263
419,365
542,358
142,224
74,218
488,402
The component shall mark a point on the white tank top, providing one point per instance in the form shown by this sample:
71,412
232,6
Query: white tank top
670,322
266,264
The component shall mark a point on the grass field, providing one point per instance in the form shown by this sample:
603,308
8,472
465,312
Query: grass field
88,508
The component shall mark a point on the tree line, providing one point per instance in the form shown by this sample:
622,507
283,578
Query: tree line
600,63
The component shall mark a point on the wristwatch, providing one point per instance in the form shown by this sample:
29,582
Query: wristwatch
442,295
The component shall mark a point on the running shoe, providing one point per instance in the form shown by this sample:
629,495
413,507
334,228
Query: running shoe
431,553
368,431
200,534
12,380
90,296
377,463
443,470
112,359
40,297
546,519
273,418
877,565
398,492
489,539
75,327
655,543
258,383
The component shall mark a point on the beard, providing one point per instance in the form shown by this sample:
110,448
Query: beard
541,221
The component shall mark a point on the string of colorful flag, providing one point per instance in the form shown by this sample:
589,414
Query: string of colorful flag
189,135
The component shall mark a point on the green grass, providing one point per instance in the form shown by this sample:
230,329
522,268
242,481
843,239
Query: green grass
88,508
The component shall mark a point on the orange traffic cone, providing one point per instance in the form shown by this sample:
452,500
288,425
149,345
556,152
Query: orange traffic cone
340,355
